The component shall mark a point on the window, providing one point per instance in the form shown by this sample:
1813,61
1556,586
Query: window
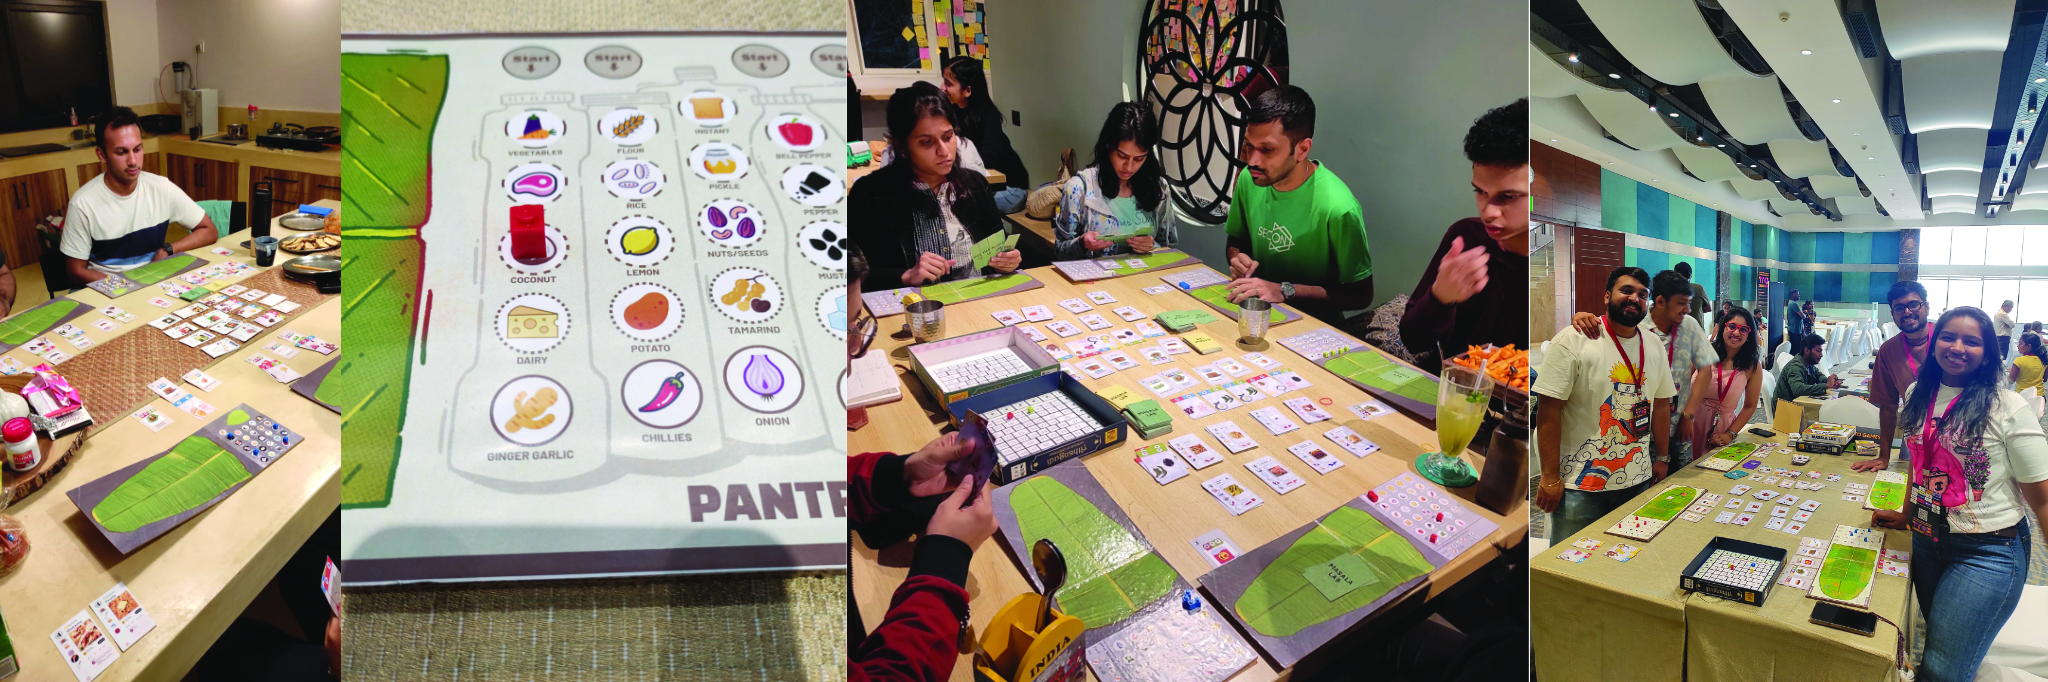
1997,291
1934,243
2035,250
2006,245
1968,247
1937,296
2033,301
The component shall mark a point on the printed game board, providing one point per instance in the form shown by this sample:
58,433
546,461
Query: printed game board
1849,568
1218,297
1310,586
144,500
1651,518
24,326
890,302
1125,265
1387,379
1728,457
1435,522
313,386
1112,572
124,283
1888,492
602,286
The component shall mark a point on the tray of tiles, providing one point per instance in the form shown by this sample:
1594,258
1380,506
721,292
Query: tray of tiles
1651,518
973,364
1849,568
1435,522
1042,422
1734,570
1728,457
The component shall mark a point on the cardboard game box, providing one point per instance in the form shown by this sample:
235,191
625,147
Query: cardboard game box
941,351
987,402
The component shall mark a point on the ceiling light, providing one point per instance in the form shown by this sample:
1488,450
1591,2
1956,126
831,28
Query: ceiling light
1870,158
2041,80
1838,101
1806,52
1720,145
1614,75
1697,138
1553,139
1573,59
1674,114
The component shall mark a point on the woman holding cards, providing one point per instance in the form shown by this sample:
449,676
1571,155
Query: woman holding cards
919,217
1117,204
1976,452
1724,393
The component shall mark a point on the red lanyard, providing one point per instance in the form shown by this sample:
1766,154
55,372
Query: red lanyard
1624,354
1913,366
1722,395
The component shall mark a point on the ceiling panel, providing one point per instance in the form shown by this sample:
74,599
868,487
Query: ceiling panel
1667,39
1547,78
1628,119
1959,183
1852,205
1827,187
1957,90
1752,109
1790,208
1706,163
1966,204
1917,28
1801,158
1952,149
1754,190
2031,202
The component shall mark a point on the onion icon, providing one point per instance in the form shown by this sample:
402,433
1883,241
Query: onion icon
762,376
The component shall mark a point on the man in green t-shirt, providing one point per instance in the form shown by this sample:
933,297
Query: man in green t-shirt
1292,223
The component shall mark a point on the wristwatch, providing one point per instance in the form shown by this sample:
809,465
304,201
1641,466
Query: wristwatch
1286,291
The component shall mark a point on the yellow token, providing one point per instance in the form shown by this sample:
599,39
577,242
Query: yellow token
910,298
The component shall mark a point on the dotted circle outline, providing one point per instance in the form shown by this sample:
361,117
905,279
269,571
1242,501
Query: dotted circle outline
843,253
768,130
651,119
681,312
514,139
657,224
498,324
715,303
843,189
606,175
793,367
695,163
564,390
819,311
634,411
561,178
699,218
561,257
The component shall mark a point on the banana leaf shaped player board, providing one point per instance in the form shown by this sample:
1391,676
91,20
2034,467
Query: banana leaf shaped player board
1318,583
25,326
1113,574
144,500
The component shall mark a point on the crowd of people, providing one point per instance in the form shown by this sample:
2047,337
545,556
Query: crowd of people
1615,416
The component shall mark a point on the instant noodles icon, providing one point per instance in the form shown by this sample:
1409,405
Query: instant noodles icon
538,183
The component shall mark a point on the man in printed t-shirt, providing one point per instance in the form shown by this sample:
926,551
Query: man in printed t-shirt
121,219
1604,418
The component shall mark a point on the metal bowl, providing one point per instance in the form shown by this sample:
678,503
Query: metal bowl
314,266
303,222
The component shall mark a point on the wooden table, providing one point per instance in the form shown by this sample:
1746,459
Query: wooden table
1629,621
1169,515
196,579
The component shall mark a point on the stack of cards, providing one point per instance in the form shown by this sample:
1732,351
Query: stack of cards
1276,475
180,399
1233,495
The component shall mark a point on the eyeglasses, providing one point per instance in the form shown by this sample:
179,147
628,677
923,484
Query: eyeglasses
1737,328
864,327
1907,307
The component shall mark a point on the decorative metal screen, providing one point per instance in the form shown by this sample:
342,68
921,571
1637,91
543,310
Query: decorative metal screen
1200,62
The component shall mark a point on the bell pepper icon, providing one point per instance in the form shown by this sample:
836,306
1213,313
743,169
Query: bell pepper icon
796,132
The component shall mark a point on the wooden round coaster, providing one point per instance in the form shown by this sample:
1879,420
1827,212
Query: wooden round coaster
56,454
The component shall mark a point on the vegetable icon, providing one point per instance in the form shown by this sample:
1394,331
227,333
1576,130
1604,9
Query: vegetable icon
671,388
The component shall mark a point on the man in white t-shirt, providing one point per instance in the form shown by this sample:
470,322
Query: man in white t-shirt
1685,344
2001,323
1603,417
120,220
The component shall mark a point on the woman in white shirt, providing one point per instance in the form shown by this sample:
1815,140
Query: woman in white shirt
1978,454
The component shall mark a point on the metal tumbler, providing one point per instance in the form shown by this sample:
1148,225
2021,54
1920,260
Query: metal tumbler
1253,316
927,320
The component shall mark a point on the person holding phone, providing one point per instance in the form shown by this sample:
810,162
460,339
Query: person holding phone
1122,192
1977,454
919,217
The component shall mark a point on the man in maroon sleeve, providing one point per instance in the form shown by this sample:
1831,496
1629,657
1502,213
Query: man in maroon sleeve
1898,359
1473,292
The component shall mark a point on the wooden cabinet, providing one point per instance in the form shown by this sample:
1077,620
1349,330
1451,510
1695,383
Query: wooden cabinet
288,189
204,179
153,163
29,198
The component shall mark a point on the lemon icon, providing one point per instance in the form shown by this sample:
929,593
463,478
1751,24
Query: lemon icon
639,241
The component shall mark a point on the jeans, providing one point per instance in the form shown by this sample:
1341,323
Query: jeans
1010,199
1968,586
1579,509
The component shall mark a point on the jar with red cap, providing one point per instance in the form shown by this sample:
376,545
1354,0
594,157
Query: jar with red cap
23,452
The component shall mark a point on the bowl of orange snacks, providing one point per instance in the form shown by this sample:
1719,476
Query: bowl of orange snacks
1506,365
